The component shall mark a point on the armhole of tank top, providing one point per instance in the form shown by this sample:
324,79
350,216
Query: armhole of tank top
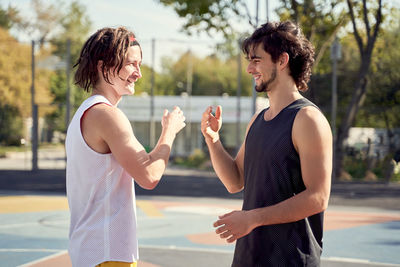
80,129
260,115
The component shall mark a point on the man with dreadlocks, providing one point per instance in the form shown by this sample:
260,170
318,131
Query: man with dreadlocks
104,157
285,164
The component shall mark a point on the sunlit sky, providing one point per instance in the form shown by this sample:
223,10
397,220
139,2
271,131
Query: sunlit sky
148,19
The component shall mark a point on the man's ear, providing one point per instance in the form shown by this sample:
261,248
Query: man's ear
99,65
100,71
283,60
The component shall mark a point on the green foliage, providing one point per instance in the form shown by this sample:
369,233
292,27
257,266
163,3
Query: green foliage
382,105
75,25
211,76
195,160
56,120
209,16
15,77
396,174
355,166
5,20
320,20
10,125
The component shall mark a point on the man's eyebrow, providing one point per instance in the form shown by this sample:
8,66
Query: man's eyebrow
129,61
252,57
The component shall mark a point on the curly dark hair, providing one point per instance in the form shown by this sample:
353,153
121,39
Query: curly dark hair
108,45
280,37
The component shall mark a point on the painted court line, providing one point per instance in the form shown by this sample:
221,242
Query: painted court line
50,257
29,203
353,260
149,208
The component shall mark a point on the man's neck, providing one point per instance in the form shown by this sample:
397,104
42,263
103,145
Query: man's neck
280,97
108,92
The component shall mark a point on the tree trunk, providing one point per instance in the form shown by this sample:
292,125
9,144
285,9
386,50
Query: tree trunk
389,163
349,118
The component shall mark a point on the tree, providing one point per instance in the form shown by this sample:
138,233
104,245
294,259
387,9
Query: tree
10,125
10,119
319,20
382,105
15,81
210,76
215,17
45,22
366,14
210,16
8,17
74,28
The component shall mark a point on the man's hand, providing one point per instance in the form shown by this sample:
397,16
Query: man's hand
173,121
234,225
210,124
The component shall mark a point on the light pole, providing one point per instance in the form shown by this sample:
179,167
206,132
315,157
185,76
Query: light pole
68,95
238,94
152,122
336,55
253,82
34,133
189,86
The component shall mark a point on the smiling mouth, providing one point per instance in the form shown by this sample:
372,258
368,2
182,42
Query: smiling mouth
132,79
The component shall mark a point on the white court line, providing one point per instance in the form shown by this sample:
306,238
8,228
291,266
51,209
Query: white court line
332,259
187,249
60,252
353,260
5,226
46,222
347,260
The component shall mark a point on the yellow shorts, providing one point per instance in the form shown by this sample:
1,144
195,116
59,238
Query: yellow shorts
117,264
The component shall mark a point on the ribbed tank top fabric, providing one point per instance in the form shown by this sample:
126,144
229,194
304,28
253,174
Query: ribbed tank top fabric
101,200
272,174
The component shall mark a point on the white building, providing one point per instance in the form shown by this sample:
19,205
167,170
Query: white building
138,111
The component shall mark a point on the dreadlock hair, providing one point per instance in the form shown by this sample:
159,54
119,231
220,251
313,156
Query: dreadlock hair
108,45
280,37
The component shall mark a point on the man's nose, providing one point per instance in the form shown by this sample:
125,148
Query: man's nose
139,73
250,68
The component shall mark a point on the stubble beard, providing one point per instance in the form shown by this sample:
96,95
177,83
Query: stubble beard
265,86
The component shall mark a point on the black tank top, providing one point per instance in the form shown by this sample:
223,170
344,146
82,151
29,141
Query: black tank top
272,174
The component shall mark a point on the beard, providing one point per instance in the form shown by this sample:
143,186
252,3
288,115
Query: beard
265,86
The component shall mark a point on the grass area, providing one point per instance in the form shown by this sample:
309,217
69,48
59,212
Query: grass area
4,149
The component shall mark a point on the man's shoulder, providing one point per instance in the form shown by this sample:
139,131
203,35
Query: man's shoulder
310,113
104,116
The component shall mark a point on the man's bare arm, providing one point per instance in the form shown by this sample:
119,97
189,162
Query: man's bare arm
229,170
313,140
115,130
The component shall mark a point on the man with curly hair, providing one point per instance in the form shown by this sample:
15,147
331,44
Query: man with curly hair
284,165
104,158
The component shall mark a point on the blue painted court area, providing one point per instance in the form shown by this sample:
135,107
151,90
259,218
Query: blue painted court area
25,237
186,223
375,242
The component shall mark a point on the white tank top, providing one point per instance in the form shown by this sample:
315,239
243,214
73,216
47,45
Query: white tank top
101,198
